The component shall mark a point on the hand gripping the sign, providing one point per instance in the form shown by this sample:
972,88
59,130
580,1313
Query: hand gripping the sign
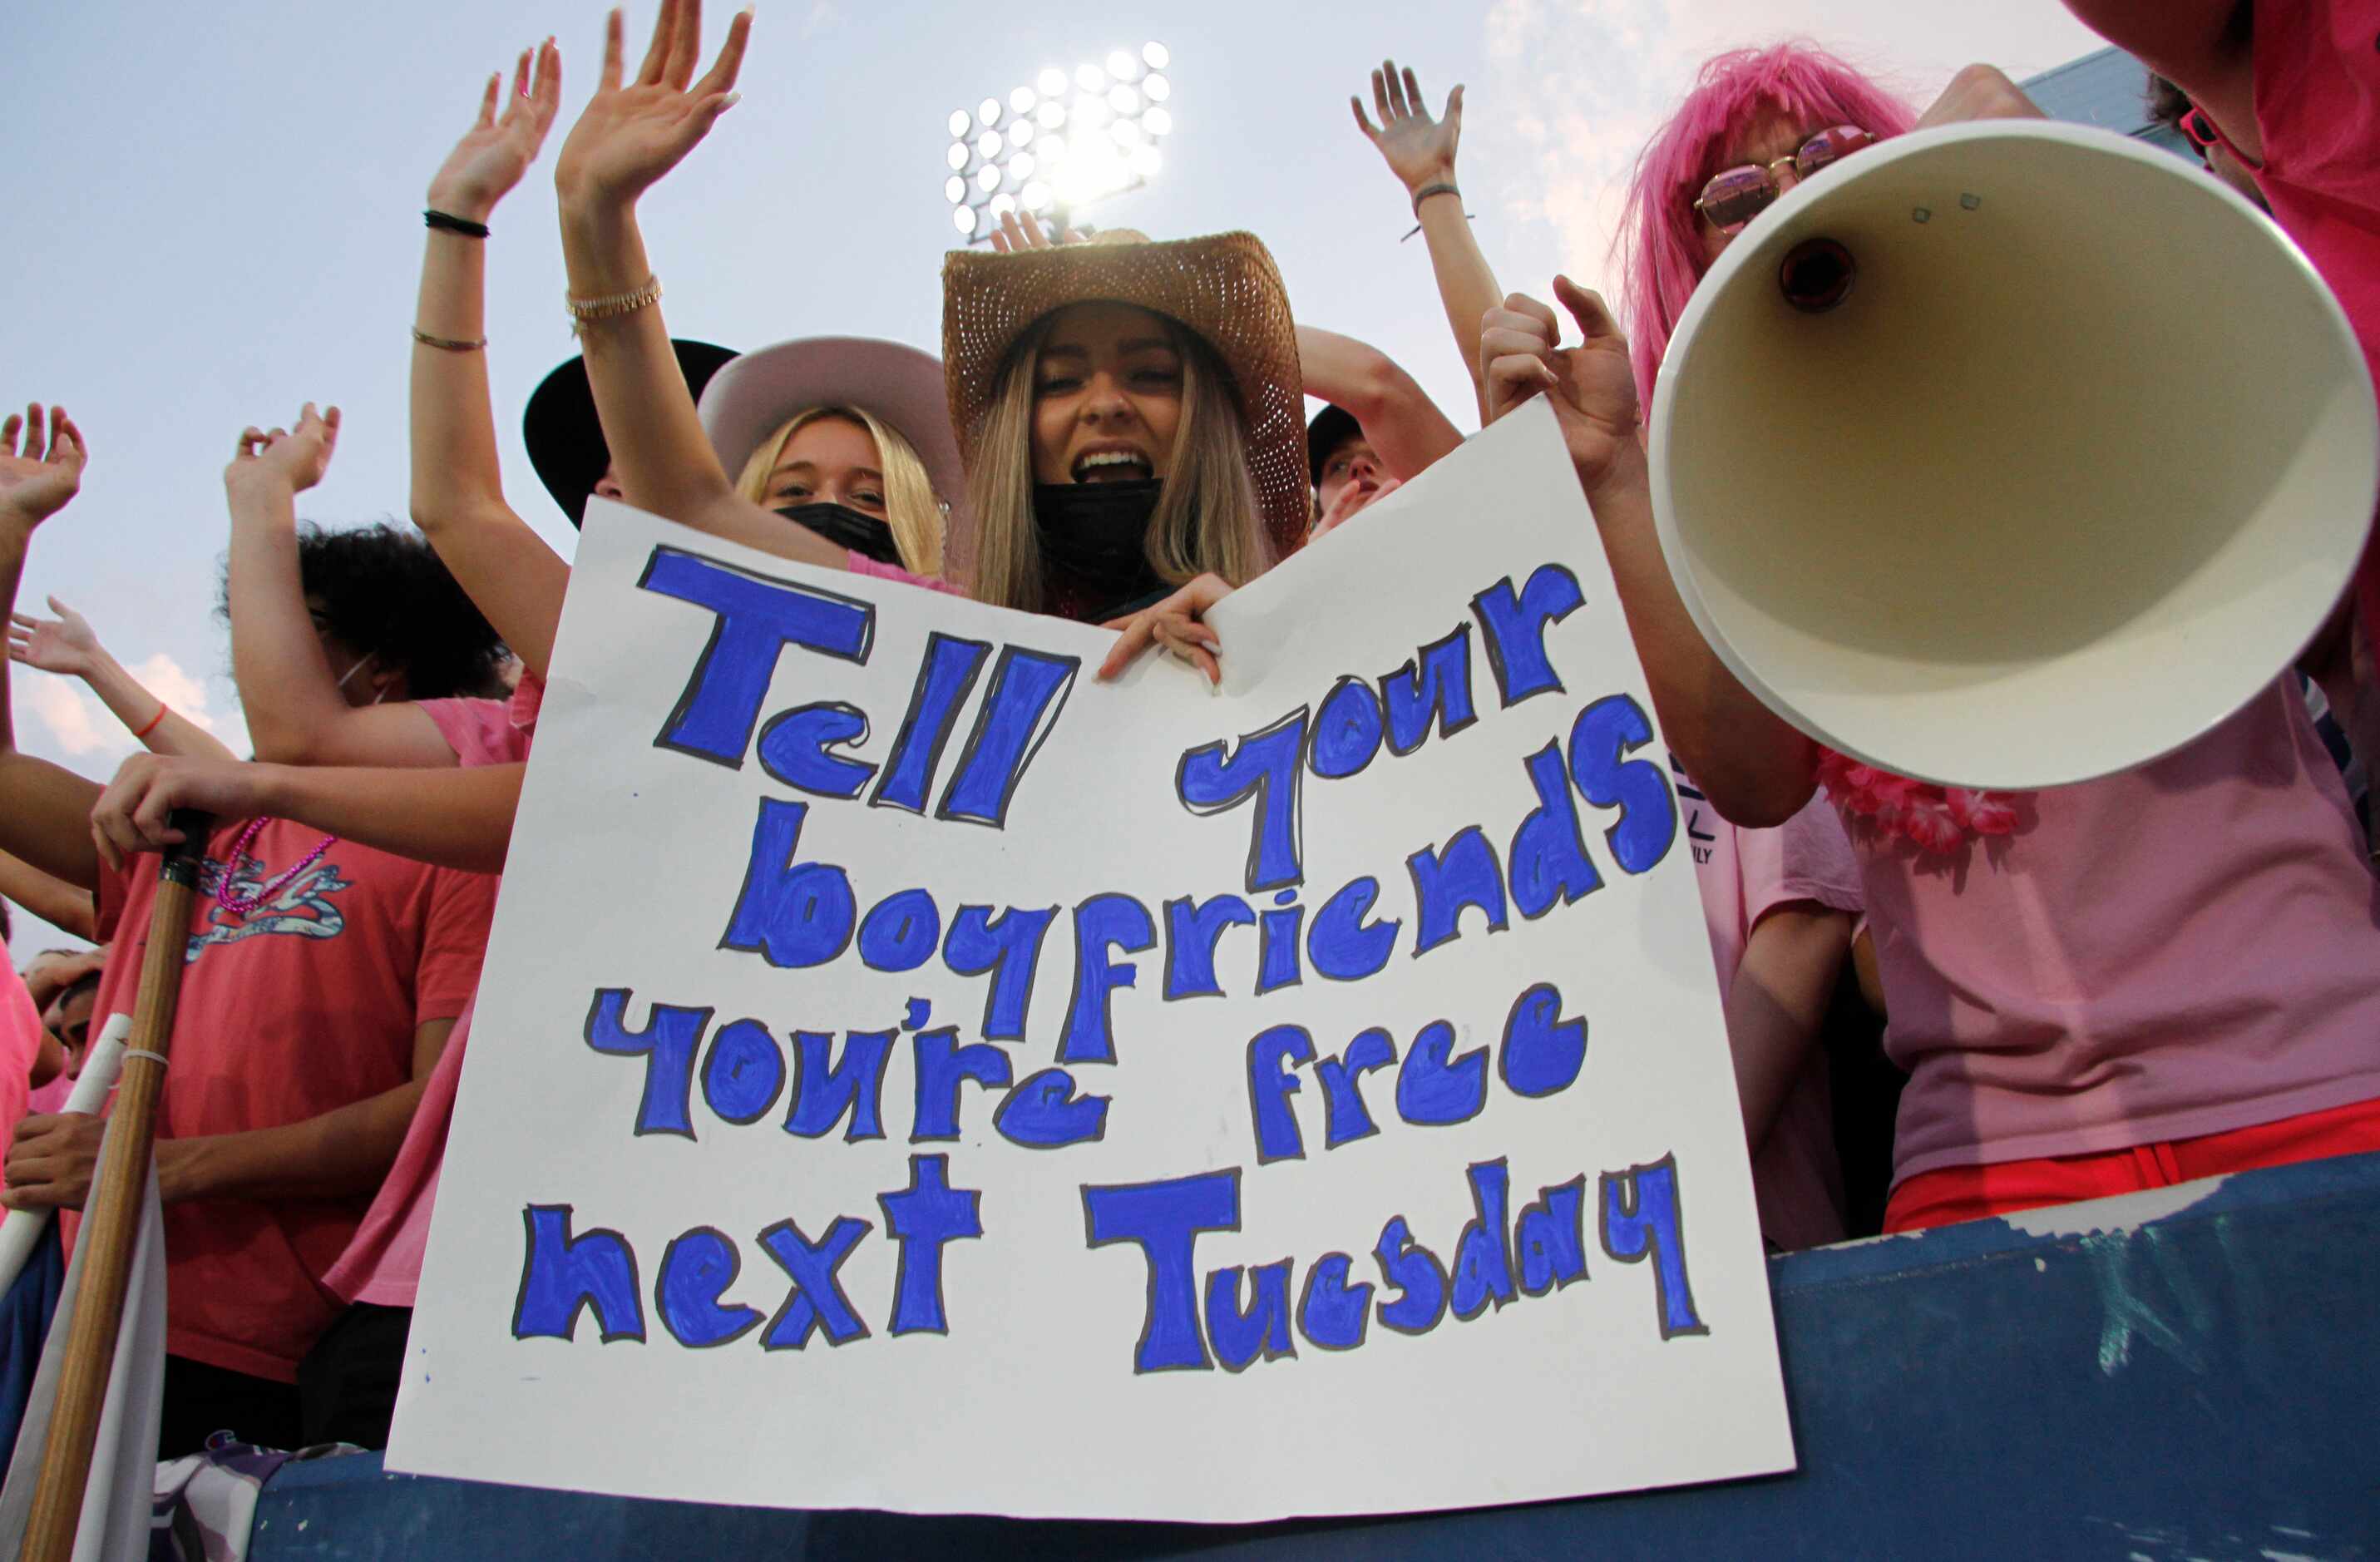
1175,624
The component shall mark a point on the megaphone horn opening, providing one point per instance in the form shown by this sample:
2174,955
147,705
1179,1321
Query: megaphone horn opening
1816,275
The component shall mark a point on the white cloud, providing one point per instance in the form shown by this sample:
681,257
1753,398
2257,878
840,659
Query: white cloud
166,679
75,720
825,15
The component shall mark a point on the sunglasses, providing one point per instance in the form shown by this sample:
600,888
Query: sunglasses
1737,195
2199,128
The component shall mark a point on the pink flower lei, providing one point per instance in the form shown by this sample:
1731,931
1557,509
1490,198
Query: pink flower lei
1932,818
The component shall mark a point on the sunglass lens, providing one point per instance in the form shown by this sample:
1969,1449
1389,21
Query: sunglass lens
1736,197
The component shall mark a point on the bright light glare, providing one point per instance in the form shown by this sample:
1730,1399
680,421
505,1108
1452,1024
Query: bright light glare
1037,197
989,144
987,179
1021,166
959,122
1002,204
955,190
1157,55
1123,100
1053,115
1090,78
958,155
1022,100
988,111
1145,162
1126,133
1158,87
1052,80
1054,149
1123,66
963,220
1157,122
1021,133
1092,112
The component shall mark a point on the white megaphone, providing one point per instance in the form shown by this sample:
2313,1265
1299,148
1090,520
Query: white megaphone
2012,454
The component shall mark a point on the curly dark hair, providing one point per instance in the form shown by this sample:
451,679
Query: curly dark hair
384,591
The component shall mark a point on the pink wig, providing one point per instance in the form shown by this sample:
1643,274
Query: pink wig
1662,234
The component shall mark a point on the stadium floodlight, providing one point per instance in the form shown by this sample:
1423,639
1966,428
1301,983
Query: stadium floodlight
1093,132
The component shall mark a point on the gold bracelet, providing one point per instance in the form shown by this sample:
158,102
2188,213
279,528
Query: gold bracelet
446,344
584,311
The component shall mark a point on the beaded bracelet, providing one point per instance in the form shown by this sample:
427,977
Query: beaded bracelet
586,311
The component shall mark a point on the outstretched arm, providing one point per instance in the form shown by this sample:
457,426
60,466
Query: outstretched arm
54,900
297,711
631,134
341,1152
45,821
67,646
1399,418
453,817
1756,770
1420,152
458,493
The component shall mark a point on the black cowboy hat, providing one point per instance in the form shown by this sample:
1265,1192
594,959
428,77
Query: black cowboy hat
566,438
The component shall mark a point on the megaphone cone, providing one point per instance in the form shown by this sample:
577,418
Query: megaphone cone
2077,456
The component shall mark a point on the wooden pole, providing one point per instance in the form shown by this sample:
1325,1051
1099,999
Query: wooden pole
111,1223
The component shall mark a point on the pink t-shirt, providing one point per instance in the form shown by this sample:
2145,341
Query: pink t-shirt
20,1044
2318,87
383,1262
863,565
1797,1180
2181,949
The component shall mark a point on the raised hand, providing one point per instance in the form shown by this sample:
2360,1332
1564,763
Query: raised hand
298,459
1347,503
39,474
1592,386
1419,150
634,131
498,149
1022,230
65,644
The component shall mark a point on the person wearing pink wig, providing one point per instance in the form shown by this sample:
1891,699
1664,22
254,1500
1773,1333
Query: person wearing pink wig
2169,973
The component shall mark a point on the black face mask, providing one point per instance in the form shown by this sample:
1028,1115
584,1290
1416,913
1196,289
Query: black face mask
846,528
1094,536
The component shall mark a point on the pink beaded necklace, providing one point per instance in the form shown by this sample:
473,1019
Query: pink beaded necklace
243,904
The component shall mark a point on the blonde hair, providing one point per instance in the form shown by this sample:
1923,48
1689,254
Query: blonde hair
1206,520
911,509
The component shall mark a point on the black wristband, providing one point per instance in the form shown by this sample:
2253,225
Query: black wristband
1425,191
446,223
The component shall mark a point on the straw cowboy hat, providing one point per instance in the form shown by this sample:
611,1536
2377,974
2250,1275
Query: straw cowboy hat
566,438
1223,286
755,396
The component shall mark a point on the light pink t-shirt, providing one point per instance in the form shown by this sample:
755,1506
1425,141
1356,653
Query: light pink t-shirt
383,1263
2185,948
1797,1178
20,1045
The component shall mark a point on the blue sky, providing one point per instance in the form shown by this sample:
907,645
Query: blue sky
215,217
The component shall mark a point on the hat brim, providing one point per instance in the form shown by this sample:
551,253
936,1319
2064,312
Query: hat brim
566,436
755,396
1223,286
1332,427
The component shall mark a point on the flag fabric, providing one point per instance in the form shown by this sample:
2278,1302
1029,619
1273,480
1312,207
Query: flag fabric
115,1511
25,1308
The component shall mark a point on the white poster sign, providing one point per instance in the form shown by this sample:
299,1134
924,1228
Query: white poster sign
913,1074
